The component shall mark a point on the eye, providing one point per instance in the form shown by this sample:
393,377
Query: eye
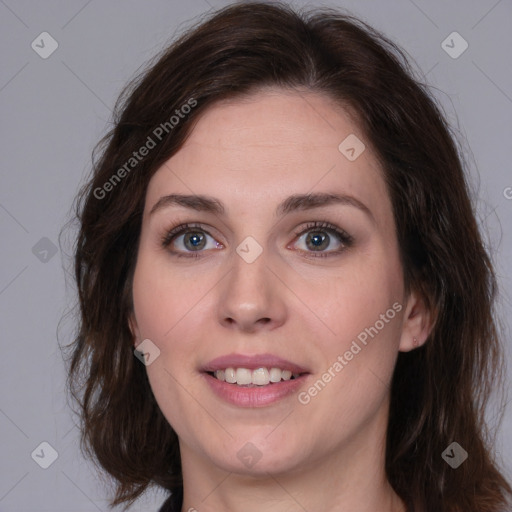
320,236
190,239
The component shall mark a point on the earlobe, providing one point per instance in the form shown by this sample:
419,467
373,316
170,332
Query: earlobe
417,323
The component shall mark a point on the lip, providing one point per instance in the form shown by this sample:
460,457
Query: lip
258,396
252,362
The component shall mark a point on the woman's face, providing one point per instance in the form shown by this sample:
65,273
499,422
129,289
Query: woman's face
266,282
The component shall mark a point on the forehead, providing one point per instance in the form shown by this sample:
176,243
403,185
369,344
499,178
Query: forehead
253,151
280,121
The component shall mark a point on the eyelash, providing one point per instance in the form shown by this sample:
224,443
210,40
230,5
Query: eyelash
340,234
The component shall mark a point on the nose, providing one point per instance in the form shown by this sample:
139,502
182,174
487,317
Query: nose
251,297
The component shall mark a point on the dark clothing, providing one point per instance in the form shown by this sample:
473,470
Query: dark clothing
173,503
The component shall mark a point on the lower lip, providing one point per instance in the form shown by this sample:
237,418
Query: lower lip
259,396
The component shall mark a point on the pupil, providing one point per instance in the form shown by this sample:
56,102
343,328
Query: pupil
317,240
196,239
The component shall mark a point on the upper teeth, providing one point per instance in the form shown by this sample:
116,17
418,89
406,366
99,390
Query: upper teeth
259,377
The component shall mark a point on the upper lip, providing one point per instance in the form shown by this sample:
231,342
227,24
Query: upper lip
252,362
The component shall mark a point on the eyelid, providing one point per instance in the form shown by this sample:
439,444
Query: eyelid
180,228
325,226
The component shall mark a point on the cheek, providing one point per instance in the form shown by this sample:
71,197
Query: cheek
358,336
164,299
352,299
169,308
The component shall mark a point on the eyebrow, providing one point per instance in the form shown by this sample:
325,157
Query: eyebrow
296,202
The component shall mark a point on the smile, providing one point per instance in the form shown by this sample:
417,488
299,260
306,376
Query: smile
250,378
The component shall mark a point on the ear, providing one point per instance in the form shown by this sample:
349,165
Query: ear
134,328
417,323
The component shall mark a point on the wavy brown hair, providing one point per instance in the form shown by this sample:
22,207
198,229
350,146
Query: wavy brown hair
439,392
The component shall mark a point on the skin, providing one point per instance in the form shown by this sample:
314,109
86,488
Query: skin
251,154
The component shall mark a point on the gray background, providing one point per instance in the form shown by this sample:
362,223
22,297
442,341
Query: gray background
54,110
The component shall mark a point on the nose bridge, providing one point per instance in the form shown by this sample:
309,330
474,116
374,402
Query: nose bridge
248,279
251,294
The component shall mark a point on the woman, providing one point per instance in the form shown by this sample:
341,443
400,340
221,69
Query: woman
279,225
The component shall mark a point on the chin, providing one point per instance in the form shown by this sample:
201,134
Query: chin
257,456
